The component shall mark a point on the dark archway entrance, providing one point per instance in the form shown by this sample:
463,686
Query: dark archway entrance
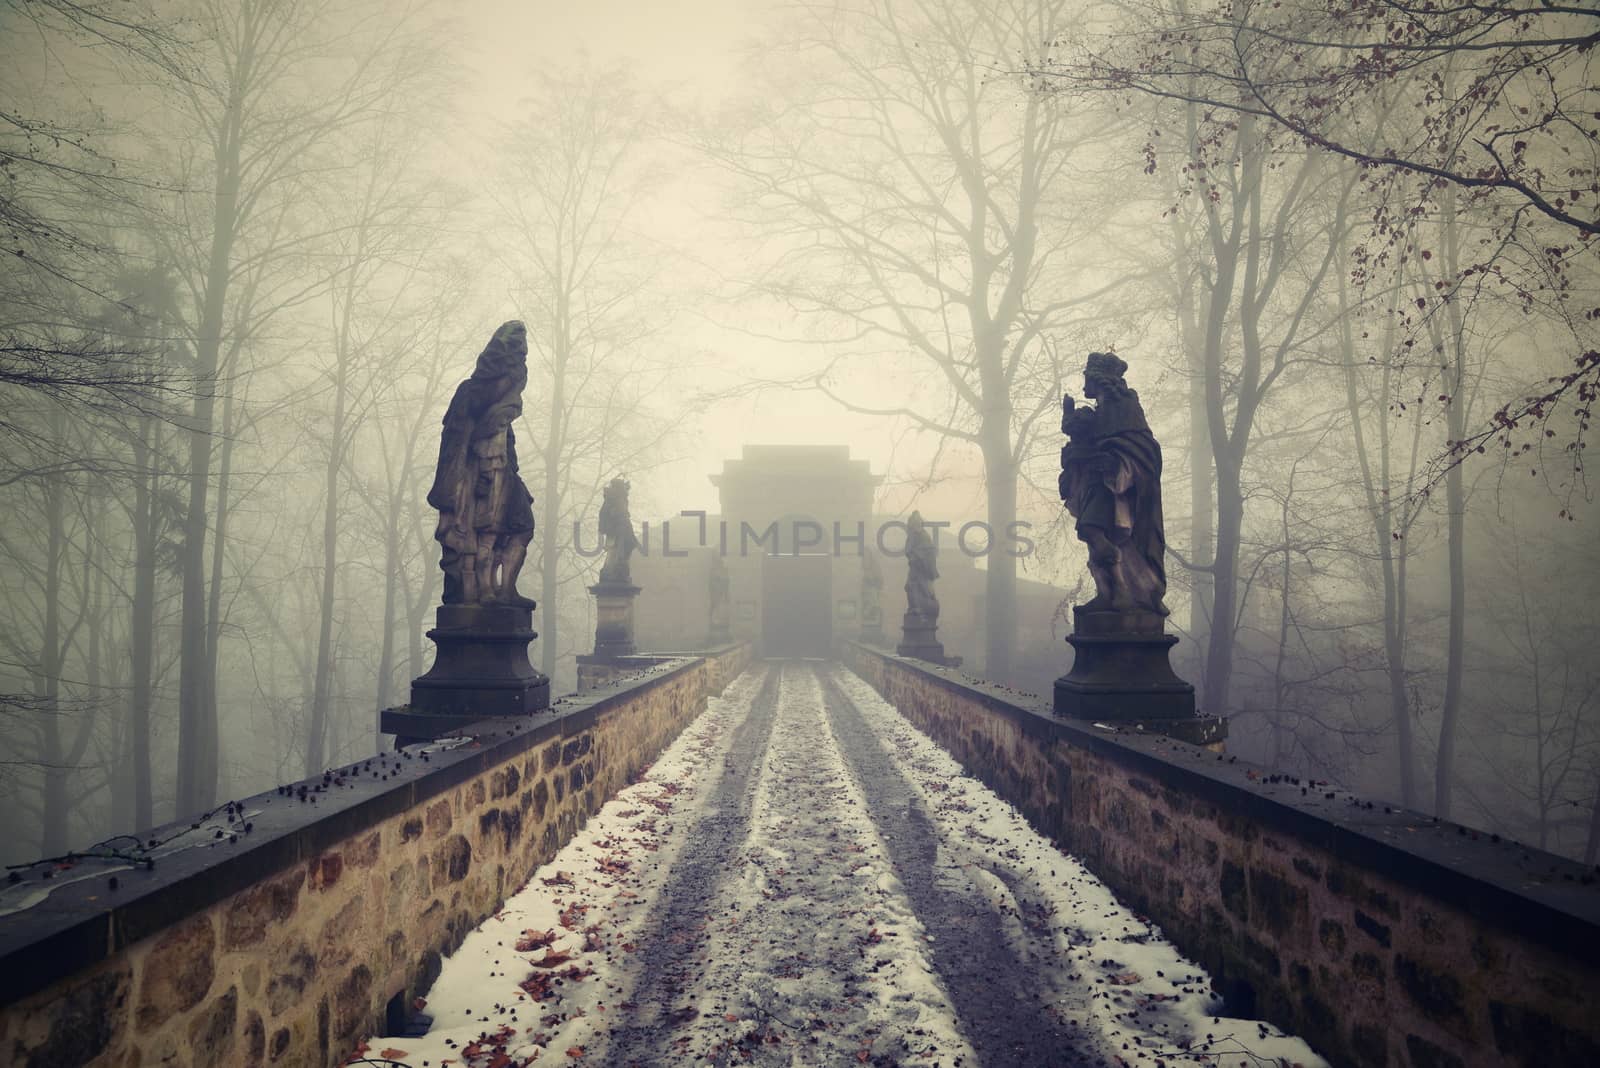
796,605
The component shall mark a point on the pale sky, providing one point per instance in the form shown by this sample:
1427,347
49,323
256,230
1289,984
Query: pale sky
691,48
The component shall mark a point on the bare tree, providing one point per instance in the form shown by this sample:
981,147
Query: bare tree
914,203
573,178
271,87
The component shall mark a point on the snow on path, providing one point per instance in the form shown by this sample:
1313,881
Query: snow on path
578,917
814,955
1115,974
739,906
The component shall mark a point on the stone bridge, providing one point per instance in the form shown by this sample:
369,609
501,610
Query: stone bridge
301,926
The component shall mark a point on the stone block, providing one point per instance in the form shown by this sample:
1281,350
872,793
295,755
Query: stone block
352,1011
292,972
211,1032
1235,897
85,1021
340,935
325,871
364,853
1370,1045
1279,904
1438,994
1331,934
452,860
280,1044
1530,1037
177,973
250,914
1378,932
255,1040
1425,1054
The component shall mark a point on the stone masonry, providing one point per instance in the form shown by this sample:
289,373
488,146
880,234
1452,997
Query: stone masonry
295,966
1380,936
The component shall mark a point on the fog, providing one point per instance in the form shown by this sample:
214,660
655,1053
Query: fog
253,245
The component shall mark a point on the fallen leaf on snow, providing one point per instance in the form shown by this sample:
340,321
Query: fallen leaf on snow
532,940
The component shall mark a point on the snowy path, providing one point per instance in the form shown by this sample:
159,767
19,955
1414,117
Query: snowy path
804,879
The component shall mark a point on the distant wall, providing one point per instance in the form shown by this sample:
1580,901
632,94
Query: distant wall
289,945
1382,938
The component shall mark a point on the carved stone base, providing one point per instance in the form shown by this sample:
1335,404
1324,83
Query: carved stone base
1120,671
613,631
919,639
481,670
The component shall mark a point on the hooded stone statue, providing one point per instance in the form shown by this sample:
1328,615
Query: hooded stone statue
1111,483
616,527
922,567
485,510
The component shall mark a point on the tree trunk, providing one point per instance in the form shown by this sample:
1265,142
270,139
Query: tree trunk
316,752
219,542
1000,575
197,735
47,684
550,538
1591,851
1377,482
1202,502
142,623
391,600
1225,584
1454,376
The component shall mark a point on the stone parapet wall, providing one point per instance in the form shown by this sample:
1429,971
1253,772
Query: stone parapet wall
597,671
1381,936
323,922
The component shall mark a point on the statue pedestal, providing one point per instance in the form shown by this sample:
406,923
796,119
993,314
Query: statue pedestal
1121,674
871,627
613,631
719,634
919,639
481,670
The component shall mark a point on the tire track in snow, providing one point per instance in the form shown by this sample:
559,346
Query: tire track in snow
811,953
672,938
1125,991
991,959
586,906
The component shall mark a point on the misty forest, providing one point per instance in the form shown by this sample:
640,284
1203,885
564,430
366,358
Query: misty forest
1346,247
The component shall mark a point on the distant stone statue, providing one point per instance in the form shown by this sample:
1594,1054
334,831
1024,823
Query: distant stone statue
922,567
616,528
919,630
1111,483
485,510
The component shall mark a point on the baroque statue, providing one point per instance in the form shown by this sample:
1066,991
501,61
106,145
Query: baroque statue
1111,483
922,568
485,510
616,529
